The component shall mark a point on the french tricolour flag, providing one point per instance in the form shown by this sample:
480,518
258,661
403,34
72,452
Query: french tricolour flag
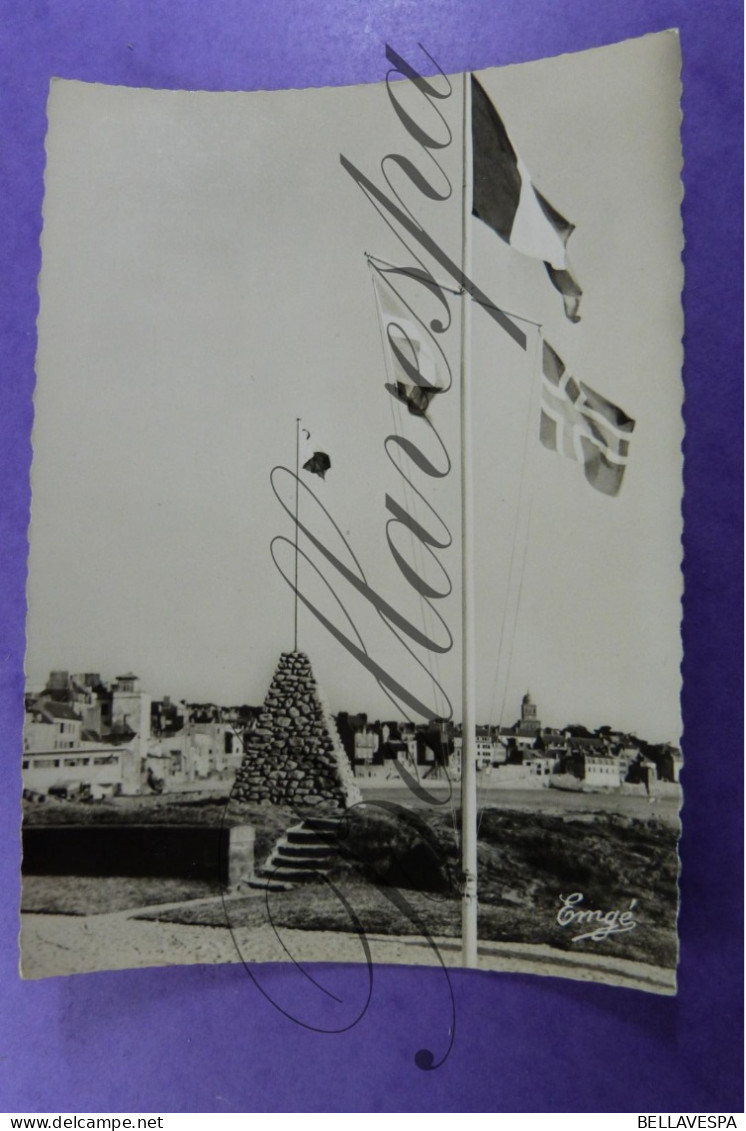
506,200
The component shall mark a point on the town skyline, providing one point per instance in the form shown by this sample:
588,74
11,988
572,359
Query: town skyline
88,738
194,702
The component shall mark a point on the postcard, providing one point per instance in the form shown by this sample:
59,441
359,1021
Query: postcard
355,569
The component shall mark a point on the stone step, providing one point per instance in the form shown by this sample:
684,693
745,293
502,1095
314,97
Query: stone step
312,863
299,835
265,883
324,831
286,874
311,839
302,855
322,824
306,851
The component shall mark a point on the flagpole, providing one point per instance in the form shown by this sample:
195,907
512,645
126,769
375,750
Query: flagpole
297,504
468,695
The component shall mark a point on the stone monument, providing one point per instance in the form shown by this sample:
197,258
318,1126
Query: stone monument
294,756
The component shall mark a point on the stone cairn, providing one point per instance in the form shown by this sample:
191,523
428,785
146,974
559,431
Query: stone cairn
294,756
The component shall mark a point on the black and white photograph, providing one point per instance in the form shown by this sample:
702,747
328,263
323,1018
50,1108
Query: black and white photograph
354,589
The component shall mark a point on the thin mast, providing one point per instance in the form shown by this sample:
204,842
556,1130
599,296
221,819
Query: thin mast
297,503
468,696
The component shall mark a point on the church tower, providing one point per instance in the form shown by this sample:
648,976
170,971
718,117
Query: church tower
530,724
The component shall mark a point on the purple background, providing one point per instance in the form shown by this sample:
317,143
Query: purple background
203,1038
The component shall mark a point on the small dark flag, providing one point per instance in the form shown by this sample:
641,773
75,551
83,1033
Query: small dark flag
582,425
416,397
412,359
504,198
318,464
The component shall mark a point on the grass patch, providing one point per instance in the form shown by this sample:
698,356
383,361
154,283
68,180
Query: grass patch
94,895
526,860
396,847
383,911
530,861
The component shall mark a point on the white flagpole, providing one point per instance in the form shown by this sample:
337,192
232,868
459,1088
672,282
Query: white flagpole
468,695
297,504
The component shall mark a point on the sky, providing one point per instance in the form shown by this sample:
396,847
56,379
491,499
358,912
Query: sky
204,284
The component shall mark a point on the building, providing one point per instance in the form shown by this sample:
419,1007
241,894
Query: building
79,737
93,770
669,763
542,762
198,751
61,756
366,745
629,758
594,766
130,711
486,750
51,726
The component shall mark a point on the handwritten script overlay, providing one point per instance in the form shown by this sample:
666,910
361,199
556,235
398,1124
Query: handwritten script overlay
329,554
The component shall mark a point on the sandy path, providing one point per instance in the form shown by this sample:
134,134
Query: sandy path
67,944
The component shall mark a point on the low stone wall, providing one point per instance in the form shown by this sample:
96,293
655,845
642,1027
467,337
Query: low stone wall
200,852
295,755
